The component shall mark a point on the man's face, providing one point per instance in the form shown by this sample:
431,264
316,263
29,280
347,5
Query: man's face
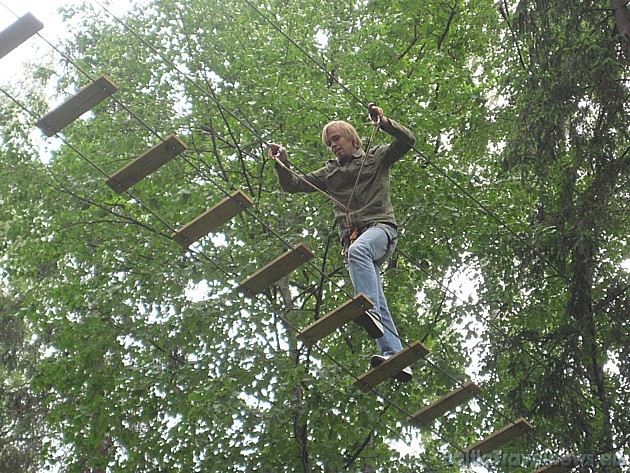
340,146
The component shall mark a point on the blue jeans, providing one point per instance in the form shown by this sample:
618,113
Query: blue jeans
365,257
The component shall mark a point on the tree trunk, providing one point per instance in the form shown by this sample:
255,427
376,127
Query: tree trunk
622,19
299,417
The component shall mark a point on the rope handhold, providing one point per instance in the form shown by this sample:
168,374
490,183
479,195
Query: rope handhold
375,114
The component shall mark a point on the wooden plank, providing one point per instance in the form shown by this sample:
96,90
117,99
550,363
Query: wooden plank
85,99
392,366
500,437
18,32
212,218
276,270
327,324
560,466
453,399
148,162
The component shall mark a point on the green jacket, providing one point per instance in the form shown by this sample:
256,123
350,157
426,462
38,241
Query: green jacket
371,201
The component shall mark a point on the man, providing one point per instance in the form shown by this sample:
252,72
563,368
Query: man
358,184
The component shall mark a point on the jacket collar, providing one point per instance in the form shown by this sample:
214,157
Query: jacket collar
358,154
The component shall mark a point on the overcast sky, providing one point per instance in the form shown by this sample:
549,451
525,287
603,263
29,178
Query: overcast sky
46,12
34,47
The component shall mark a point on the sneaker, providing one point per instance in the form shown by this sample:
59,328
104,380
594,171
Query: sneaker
371,322
404,375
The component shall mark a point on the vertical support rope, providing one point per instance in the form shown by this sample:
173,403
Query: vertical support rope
356,182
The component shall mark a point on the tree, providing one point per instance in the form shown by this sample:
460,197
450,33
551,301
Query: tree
568,145
22,427
154,362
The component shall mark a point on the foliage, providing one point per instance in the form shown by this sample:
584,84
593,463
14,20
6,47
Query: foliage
22,427
513,229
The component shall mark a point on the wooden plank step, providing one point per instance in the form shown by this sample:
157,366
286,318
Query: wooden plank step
498,438
212,218
276,270
392,366
85,99
148,162
560,466
17,33
327,324
428,414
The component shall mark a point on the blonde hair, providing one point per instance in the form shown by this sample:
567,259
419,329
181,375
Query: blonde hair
345,129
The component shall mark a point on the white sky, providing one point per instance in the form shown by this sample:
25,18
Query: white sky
34,48
42,9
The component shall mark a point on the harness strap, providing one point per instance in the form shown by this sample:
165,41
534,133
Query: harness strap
346,242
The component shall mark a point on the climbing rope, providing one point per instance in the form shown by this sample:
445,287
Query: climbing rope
375,118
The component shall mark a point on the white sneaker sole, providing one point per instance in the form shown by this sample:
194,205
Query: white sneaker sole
404,375
371,324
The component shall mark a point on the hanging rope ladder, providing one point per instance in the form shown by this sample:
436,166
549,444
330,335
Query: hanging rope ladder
153,159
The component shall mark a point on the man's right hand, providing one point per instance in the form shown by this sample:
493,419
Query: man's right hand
278,152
